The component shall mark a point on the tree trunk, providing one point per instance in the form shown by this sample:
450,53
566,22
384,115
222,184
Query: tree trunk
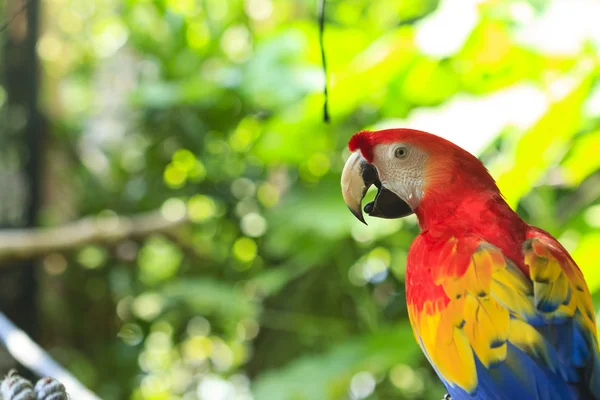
20,147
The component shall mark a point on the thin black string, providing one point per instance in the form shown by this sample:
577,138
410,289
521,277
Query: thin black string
321,32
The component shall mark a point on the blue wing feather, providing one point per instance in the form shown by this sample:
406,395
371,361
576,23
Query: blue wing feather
519,377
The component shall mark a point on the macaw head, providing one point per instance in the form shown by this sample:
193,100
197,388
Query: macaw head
413,171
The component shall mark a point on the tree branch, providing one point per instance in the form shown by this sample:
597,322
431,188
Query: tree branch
30,243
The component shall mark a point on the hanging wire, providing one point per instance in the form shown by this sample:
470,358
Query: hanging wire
321,32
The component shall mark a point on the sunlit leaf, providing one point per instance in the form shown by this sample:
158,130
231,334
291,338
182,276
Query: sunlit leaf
544,144
586,256
582,159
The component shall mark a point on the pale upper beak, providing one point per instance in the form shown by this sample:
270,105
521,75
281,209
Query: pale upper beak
354,186
357,176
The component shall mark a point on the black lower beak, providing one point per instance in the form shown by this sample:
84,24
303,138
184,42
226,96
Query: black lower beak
387,205
357,176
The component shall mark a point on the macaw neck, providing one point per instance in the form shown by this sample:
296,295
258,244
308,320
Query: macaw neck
470,211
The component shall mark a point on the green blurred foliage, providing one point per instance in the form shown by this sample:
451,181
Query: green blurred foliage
213,109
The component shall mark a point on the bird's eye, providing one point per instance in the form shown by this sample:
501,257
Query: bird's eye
400,152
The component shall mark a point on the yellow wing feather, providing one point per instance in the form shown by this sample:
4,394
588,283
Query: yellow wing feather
493,303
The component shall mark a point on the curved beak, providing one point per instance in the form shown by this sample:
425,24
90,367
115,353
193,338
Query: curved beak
354,184
358,175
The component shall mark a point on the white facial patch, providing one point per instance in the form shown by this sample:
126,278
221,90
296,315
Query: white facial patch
403,175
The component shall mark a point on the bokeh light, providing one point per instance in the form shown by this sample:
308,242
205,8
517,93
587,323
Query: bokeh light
216,258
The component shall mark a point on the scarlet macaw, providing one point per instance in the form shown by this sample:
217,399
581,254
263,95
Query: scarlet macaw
499,307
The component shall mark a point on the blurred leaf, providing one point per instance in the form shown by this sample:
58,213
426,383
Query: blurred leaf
586,256
490,60
582,159
327,376
427,73
212,297
386,58
319,212
276,76
213,109
159,260
543,144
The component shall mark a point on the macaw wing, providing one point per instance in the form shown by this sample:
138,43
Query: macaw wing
495,333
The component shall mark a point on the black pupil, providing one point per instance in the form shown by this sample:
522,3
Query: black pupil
400,152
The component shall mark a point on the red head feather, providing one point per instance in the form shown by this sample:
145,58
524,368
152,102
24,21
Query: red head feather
366,140
361,140
450,171
445,156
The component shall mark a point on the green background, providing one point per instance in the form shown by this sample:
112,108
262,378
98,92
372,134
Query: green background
212,109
